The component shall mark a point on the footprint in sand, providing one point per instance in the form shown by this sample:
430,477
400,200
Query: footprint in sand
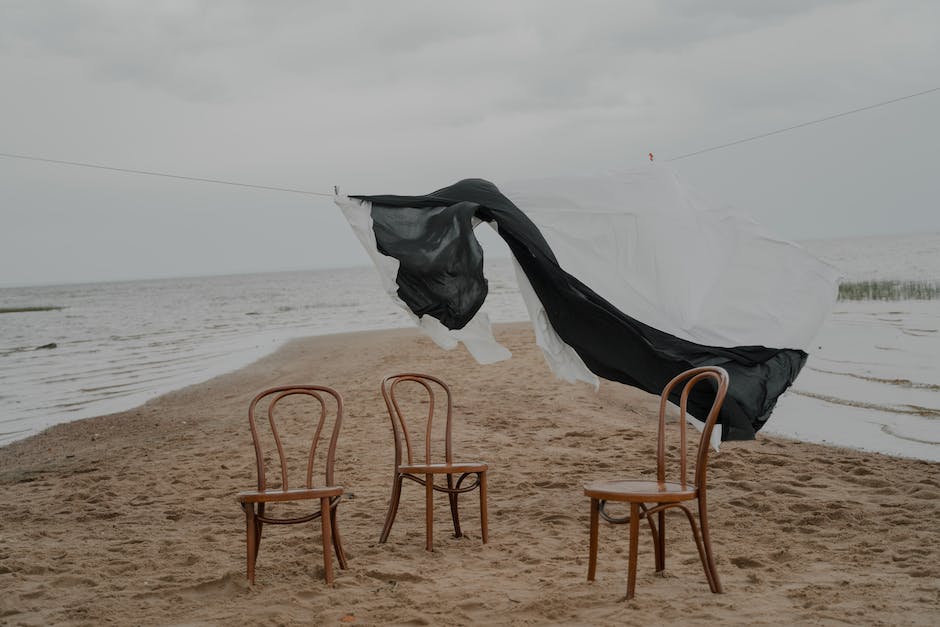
924,494
782,489
71,581
869,482
801,508
552,484
387,577
783,556
230,584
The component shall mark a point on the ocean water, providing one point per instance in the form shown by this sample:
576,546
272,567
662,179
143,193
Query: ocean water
872,381
119,344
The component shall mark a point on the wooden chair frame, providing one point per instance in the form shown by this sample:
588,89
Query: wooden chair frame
424,473
661,494
253,502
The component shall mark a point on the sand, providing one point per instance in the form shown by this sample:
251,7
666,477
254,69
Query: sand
131,518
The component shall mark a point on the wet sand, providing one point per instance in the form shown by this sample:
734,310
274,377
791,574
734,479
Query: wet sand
131,518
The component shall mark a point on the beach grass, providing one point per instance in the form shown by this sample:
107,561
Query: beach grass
889,290
4,310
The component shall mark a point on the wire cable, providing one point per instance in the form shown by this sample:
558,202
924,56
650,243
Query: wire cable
96,166
163,174
801,125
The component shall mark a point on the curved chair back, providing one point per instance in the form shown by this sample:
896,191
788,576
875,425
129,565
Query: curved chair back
438,394
317,395
689,379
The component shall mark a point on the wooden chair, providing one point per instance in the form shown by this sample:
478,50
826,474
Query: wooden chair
329,494
661,494
423,472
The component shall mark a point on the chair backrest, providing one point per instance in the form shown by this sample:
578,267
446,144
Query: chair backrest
317,396
436,391
689,379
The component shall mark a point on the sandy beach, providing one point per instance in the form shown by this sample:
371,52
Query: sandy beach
131,518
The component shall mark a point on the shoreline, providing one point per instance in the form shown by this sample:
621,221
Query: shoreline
133,514
243,358
249,357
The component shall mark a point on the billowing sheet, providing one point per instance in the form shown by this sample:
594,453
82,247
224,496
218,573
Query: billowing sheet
627,276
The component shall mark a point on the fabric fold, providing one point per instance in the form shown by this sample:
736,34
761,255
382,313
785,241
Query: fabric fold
626,276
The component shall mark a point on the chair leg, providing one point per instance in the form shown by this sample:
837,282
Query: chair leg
592,546
701,549
484,511
337,540
634,545
259,527
327,535
453,505
429,511
251,541
654,533
392,508
661,543
703,521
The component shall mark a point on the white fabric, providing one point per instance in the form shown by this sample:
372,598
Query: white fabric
564,361
477,335
656,252
662,256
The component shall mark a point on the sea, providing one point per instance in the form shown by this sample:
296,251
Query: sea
872,381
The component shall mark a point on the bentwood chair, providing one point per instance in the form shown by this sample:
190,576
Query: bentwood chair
433,392
647,497
307,409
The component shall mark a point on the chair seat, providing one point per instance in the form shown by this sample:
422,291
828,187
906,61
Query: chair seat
443,469
294,494
640,491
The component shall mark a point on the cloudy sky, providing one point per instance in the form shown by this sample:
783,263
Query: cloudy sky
405,97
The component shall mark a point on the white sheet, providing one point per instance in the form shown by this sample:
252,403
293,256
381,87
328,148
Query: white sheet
662,256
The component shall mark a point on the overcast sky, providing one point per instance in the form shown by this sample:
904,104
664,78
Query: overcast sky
406,97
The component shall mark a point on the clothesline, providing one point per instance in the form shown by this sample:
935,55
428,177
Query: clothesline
162,174
802,124
97,166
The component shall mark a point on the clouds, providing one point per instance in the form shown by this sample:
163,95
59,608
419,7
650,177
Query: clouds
408,96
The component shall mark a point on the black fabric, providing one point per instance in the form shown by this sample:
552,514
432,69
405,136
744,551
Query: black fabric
441,274
441,271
